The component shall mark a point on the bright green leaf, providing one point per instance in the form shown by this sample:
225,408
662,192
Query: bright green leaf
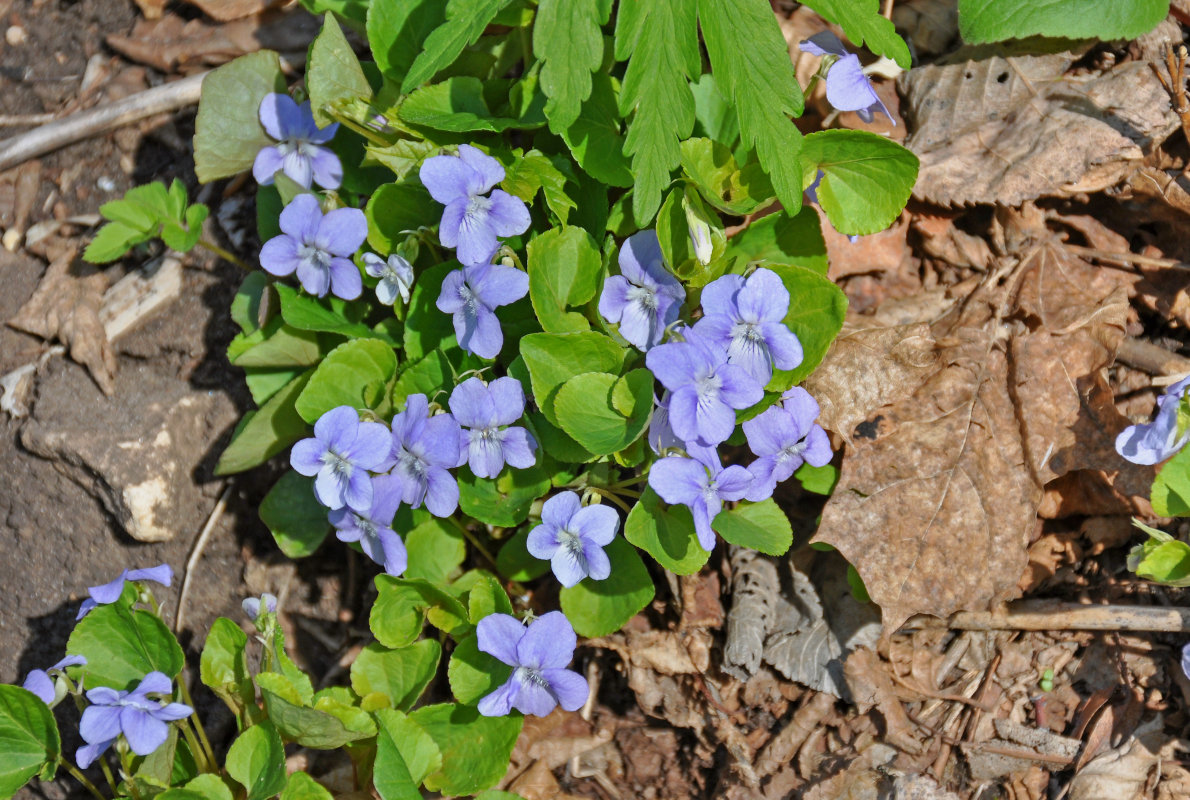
396,31
780,239
334,73
302,787
504,501
400,675
294,516
224,665
122,646
264,433
760,526
397,209
475,749
863,23
553,359
817,308
867,179
402,607
256,761
354,374
28,738
436,549
605,413
567,40
666,533
594,137
597,608
308,313
474,674
1171,489
721,181
565,270
465,22
996,20
227,132
405,755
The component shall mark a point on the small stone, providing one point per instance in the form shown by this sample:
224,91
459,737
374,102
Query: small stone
15,35
105,184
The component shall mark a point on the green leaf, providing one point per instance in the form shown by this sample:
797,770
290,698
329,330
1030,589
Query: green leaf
721,181
264,382
398,675
396,31
660,40
597,608
405,755
666,533
474,674
817,308
256,761
465,22
819,480
224,665
122,646
456,104
395,210
525,175
750,60
682,211
515,562
552,359
605,413
426,376
28,738
354,374
565,270
280,346
567,40
264,433
436,549
294,516
780,239
227,132
475,749
246,305
297,722
112,241
505,501
352,12
486,597
996,20
302,787
594,137
402,606
761,526
716,118
1171,490
426,328
334,73
866,181
1166,562
863,24
204,787
308,313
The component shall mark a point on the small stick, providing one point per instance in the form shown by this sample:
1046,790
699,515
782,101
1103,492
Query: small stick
1152,358
1125,258
13,120
1045,615
85,124
200,544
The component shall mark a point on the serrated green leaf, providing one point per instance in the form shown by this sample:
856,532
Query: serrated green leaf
308,313
780,239
996,20
486,597
666,533
465,22
751,64
334,73
475,749
504,501
28,738
597,608
565,270
264,433
402,606
112,241
526,174
256,761
552,359
660,40
396,31
603,412
594,137
354,374
715,117
863,24
399,675
866,180
122,646
227,132
567,40
405,755
760,526
294,516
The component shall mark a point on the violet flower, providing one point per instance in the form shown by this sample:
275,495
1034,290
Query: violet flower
373,529
644,298
702,484
484,410
1186,660
746,317
572,537
1153,442
340,454
395,274
472,294
318,247
661,434
144,721
298,152
539,653
847,88
784,436
706,389
252,605
472,222
110,592
49,690
424,448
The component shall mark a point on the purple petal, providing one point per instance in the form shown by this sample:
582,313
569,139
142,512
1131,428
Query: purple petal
568,686
279,255
442,492
314,278
357,494
548,643
394,556
770,431
386,497
820,44
675,364
306,456
280,116
370,446
345,279
476,240
802,409
268,162
313,133
677,480
783,345
154,683
472,404
560,509
450,298
818,447
716,328
847,88
330,488
733,482
739,389
763,482
338,427
297,166
440,440
109,592
498,635
446,178
614,297
597,524
171,712
542,541
342,231
568,567
99,723
508,215
485,456
300,218
327,169
764,297
683,412
534,699
104,696
39,682
599,566
499,702
639,255
87,754
144,733
719,296
162,573
452,223
702,521
487,169
508,397
72,661
1186,660
84,607
519,447
498,285
640,326
714,421
479,333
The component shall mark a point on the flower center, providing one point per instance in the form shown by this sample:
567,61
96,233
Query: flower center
340,466
794,450
572,543
470,299
477,207
529,675
366,526
643,295
411,464
707,387
314,256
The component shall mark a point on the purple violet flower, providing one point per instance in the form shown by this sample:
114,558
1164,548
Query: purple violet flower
661,434
784,436
110,592
395,274
1153,442
746,317
47,689
318,247
700,483
298,152
143,720
644,298
471,222
424,448
340,453
847,88
484,410
572,537
373,529
705,388
539,653
1186,660
252,605
472,294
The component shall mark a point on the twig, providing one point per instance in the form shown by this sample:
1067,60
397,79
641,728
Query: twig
1045,615
196,553
14,120
1152,359
85,124
1125,258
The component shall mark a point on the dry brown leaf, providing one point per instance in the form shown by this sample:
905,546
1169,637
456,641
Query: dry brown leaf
171,43
66,307
881,252
151,8
941,239
1009,130
228,10
870,685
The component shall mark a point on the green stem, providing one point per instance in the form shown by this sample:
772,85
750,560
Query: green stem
81,778
611,497
205,764
224,254
107,773
469,536
628,493
209,752
633,481
126,765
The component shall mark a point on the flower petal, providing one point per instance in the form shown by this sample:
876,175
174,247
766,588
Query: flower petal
370,446
306,456
560,509
614,297
314,278
498,285
763,482
345,279
508,215
542,541
568,566
477,241
342,231
338,427
596,523
450,299
683,412
677,480
534,699
548,643
599,566
847,88
738,389
733,483
446,178
268,162
519,447
764,297
485,456
330,488
99,723
175,711
39,682
108,592
279,255
719,297
702,522
86,755
280,116
144,733
472,404
442,492
395,557
498,635
675,364
357,494
499,702
714,420
639,326
154,683
327,169
820,44
770,431
783,344
300,218
818,451
639,255
162,574
487,169
568,686
296,166
508,398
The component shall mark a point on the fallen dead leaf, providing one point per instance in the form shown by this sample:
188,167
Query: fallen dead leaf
881,252
228,10
171,44
941,239
151,8
870,684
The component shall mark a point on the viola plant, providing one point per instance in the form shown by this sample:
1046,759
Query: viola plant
501,336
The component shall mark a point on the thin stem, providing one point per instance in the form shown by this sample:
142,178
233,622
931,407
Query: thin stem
469,536
205,764
126,766
628,493
80,777
611,497
195,721
634,480
107,773
224,254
